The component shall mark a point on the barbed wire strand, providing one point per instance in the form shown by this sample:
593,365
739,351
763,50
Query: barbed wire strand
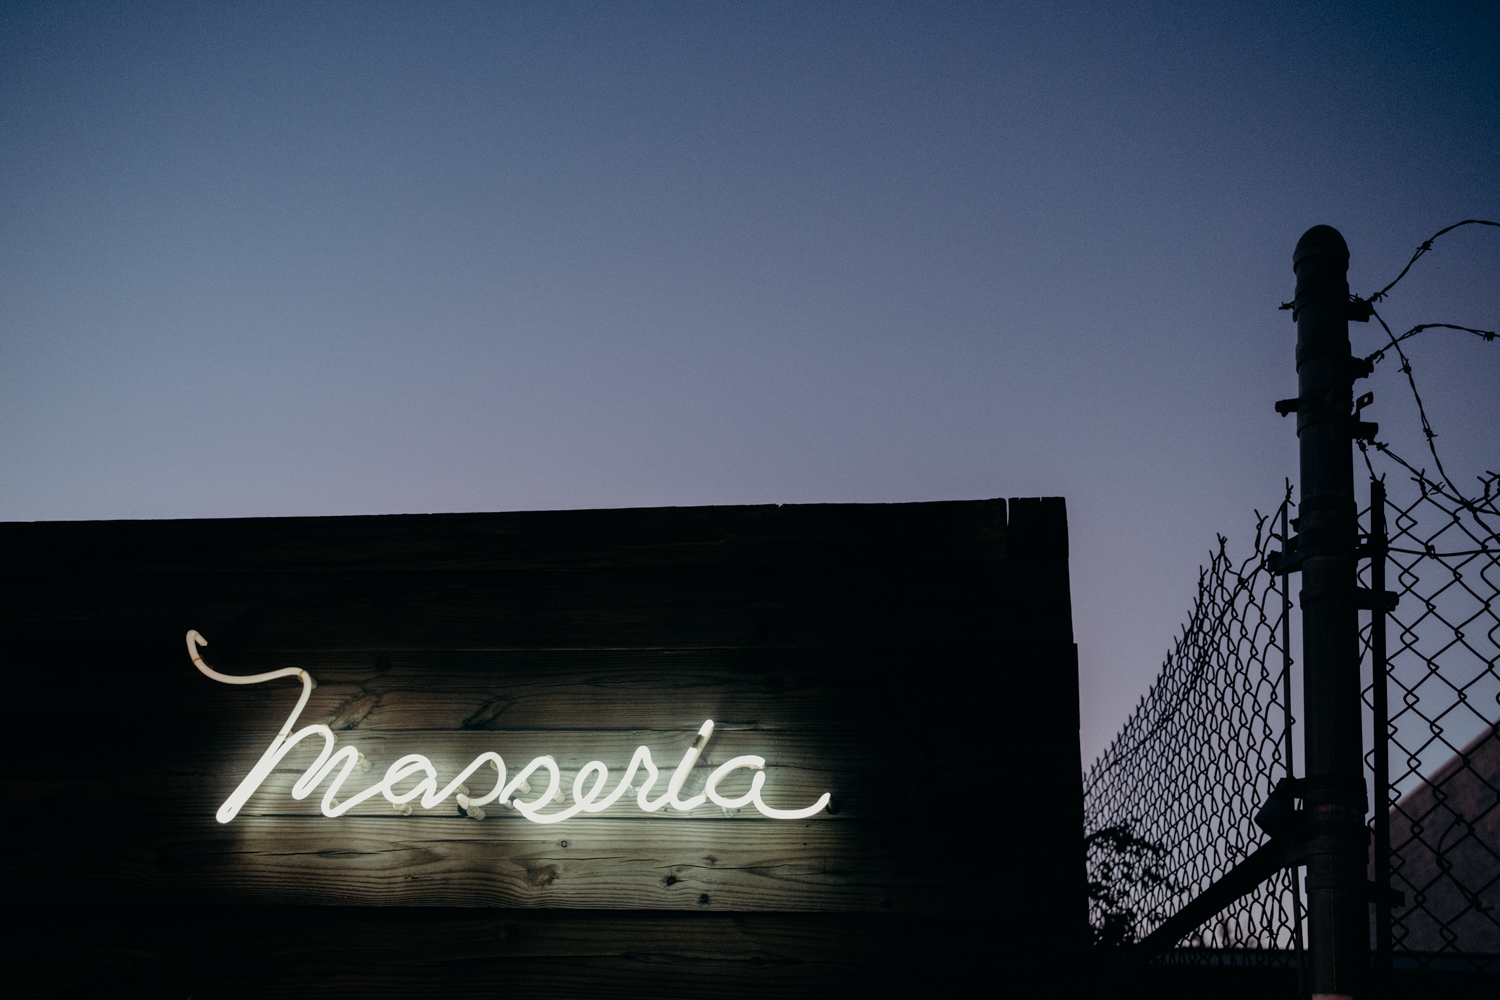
1423,250
1421,410
1482,334
1150,850
1487,335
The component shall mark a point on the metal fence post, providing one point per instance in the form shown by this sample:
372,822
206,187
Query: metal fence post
1334,789
1294,877
1379,546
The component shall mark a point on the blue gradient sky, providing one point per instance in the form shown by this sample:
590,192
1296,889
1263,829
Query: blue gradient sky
366,258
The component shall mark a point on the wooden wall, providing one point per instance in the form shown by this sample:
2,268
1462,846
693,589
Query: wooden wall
914,660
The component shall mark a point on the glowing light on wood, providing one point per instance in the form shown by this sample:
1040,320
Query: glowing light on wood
586,796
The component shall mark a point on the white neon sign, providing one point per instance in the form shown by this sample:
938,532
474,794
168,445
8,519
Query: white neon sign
585,799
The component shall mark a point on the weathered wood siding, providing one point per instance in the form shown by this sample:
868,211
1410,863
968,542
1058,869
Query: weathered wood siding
914,660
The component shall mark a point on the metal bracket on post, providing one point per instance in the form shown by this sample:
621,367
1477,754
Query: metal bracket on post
1295,838
1289,559
1371,600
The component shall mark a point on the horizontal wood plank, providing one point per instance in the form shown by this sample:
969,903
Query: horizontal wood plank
596,863
776,689
949,532
606,609
324,952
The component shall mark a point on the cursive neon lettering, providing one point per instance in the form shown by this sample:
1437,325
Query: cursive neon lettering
588,784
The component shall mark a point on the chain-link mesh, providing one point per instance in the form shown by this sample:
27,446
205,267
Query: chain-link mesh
1443,692
1169,807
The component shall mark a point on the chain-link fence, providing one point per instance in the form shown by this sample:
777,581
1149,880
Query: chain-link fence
1442,686
1169,808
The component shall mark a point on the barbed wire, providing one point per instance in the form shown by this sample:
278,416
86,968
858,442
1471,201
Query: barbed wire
1380,354
1395,344
1444,779
1406,369
1424,249
1427,430
1169,805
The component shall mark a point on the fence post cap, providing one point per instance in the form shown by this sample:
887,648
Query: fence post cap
1320,241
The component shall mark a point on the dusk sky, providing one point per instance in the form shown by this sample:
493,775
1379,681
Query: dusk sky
310,259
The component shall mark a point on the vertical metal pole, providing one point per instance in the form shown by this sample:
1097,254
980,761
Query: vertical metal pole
1293,874
1334,790
1379,545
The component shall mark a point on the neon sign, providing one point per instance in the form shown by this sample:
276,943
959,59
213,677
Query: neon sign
586,797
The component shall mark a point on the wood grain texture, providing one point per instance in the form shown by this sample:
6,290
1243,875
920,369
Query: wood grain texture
648,608
658,864
792,690
897,656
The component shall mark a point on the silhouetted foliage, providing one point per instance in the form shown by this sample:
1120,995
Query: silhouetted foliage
1121,864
